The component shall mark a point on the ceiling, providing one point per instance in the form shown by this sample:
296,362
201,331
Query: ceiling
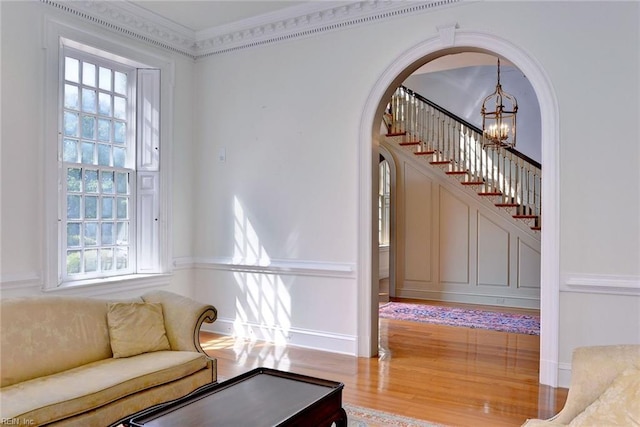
202,15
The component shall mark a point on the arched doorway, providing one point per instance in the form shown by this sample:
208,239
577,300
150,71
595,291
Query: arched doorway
452,40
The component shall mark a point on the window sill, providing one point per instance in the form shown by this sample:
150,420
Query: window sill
111,285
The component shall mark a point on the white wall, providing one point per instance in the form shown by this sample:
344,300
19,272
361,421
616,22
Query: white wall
288,116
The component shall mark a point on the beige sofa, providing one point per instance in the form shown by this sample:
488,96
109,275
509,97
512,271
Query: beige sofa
604,389
84,362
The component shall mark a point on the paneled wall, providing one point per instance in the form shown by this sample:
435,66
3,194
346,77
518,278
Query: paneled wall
453,246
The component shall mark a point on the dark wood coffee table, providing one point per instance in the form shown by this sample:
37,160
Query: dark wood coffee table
261,397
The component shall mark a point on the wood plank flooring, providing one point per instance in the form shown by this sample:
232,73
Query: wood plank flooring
447,375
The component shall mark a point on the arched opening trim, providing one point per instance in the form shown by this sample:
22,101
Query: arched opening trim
453,41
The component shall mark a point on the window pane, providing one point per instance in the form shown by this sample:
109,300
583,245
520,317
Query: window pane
89,100
107,207
122,183
104,130
107,182
119,132
73,262
73,207
70,150
123,208
71,69
106,259
70,124
90,260
122,257
120,83
104,104
104,155
73,234
119,157
87,152
88,74
104,79
91,181
123,233
91,207
91,234
119,108
88,127
106,231
74,179
71,97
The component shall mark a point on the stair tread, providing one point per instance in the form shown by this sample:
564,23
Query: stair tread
490,193
457,172
525,216
507,205
472,183
424,153
440,162
396,133
410,143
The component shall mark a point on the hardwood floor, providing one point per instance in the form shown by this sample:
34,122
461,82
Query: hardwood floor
447,375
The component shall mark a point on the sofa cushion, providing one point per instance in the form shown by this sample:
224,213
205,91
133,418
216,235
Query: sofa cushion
619,405
78,390
136,328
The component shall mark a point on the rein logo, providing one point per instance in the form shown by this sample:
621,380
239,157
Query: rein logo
17,422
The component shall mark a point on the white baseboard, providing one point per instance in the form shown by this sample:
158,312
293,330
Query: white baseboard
317,340
564,375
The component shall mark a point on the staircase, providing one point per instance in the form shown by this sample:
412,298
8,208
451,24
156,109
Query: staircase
504,176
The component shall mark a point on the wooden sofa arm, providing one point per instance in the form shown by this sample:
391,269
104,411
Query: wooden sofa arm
593,369
183,318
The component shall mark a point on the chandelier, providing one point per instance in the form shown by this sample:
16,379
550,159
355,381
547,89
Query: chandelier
499,118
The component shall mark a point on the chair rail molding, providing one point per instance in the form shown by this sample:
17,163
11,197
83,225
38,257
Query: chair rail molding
20,280
610,284
304,20
272,266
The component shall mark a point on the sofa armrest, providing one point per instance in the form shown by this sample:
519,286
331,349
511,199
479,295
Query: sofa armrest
183,318
593,369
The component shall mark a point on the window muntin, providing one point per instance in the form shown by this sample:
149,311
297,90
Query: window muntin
98,167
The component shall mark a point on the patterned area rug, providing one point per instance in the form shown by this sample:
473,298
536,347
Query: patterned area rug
365,417
480,319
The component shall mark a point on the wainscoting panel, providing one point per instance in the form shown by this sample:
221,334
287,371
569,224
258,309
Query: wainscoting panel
454,239
493,253
418,230
528,266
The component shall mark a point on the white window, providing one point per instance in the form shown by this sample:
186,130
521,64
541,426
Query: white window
384,203
109,192
98,168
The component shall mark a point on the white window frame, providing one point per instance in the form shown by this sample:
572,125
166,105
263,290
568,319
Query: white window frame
152,199
384,203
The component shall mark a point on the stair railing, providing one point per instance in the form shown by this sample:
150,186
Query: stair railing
457,144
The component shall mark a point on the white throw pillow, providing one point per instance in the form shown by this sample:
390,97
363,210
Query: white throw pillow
136,328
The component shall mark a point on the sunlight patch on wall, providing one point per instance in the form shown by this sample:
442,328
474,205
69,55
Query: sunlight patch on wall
263,304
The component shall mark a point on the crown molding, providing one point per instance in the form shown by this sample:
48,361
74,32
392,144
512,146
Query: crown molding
305,20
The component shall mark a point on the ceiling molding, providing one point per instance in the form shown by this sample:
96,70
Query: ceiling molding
304,20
